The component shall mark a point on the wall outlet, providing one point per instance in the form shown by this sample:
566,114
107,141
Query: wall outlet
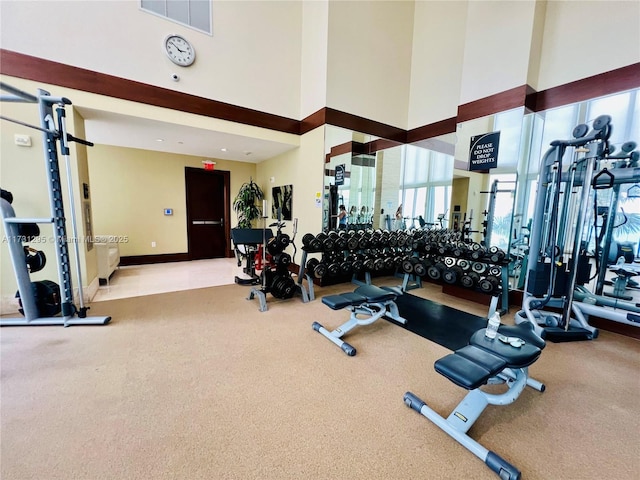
153,244
22,140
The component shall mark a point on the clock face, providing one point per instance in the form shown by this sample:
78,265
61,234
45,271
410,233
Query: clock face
179,50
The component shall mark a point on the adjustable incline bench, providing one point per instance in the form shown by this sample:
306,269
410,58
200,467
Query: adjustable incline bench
368,300
502,360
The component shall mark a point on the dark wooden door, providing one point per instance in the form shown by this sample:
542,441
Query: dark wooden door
207,213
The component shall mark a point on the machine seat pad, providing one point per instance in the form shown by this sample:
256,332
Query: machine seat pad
343,300
483,358
514,357
375,294
462,371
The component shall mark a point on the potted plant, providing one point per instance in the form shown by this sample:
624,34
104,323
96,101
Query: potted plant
245,203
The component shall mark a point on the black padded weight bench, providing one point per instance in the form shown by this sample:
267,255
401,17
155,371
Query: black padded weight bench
502,360
367,300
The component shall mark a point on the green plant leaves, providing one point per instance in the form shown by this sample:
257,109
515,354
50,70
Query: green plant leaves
245,203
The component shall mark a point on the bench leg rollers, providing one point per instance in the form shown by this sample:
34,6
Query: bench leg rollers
504,469
413,402
344,346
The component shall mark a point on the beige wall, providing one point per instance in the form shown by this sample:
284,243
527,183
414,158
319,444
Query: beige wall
131,188
402,63
252,59
313,91
304,169
582,39
497,44
438,46
369,59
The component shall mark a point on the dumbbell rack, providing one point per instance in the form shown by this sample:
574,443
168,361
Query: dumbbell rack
51,135
437,266
359,254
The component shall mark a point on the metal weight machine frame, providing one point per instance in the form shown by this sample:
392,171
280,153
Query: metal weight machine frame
51,134
561,193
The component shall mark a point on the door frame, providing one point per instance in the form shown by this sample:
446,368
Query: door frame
226,196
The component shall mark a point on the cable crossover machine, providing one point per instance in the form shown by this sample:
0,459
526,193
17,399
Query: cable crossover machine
43,301
556,301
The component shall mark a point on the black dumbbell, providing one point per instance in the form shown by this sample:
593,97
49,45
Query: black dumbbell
402,238
316,268
326,241
496,255
346,267
357,264
389,262
434,272
469,279
333,266
479,267
378,264
489,284
477,251
393,239
495,271
353,242
420,267
452,275
464,264
367,263
306,239
407,264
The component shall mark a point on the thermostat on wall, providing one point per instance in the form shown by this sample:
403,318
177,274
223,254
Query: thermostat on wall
168,211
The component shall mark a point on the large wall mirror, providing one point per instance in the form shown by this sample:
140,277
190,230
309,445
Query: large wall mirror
384,184
392,186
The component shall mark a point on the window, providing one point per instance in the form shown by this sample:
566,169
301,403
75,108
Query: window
193,13
426,186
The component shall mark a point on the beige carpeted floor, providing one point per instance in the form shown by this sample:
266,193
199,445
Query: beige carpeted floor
200,385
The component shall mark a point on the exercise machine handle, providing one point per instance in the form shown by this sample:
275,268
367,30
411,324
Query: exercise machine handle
597,185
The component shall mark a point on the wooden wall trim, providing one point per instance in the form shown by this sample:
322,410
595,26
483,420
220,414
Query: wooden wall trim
313,121
500,102
607,83
364,125
40,70
357,148
341,149
382,144
149,259
432,130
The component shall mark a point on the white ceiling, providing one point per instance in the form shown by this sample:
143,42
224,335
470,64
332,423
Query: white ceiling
115,129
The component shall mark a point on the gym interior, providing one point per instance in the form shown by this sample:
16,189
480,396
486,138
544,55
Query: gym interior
484,272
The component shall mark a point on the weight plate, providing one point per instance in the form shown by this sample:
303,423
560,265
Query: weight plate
580,130
478,267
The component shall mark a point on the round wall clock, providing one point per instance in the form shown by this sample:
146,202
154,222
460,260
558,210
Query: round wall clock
179,50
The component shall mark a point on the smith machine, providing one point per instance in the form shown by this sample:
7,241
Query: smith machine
560,255
42,301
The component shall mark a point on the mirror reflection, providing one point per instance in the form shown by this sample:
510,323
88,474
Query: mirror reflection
429,185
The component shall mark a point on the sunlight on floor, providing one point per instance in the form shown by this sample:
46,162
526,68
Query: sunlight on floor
139,280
